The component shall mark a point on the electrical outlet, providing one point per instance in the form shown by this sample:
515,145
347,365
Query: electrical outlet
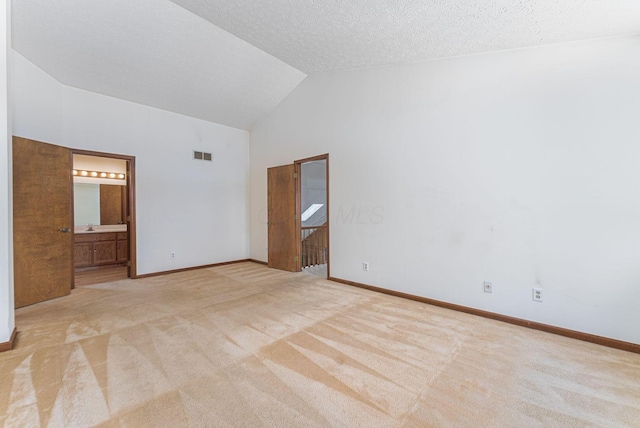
488,287
537,294
365,266
173,255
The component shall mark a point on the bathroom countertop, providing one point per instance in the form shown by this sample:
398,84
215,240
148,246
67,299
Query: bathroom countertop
101,229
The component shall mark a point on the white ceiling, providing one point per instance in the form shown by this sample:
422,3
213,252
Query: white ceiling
155,53
332,35
232,61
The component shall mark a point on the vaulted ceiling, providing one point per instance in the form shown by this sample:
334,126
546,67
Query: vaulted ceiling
232,62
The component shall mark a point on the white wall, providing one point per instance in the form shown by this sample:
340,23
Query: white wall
36,102
517,167
196,209
6,206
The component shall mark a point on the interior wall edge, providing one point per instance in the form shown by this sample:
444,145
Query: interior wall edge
8,346
7,311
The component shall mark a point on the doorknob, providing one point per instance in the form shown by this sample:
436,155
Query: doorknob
64,230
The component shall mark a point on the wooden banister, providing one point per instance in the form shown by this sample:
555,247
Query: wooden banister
314,245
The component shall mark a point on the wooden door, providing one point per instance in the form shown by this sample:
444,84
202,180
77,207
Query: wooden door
111,204
283,230
42,229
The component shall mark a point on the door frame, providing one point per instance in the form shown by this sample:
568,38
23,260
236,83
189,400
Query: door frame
132,269
298,171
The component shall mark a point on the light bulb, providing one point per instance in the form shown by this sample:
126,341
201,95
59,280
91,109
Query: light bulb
112,175
75,172
94,174
84,173
103,174
120,175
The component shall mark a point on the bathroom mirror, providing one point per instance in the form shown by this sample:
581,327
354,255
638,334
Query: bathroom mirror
98,204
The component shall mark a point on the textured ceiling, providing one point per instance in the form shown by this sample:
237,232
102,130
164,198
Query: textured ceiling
233,61
155,53
330,35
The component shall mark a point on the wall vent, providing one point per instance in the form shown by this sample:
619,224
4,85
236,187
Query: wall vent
202,156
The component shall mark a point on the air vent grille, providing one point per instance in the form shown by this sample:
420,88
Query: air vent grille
198,155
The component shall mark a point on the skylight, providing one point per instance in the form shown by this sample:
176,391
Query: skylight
311,211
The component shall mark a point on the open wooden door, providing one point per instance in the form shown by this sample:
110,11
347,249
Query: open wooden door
283,227
111,204
42,228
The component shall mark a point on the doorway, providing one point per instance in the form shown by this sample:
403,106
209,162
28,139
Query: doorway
103,214
298,216
313,205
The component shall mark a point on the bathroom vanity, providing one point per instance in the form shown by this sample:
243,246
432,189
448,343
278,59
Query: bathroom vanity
106,245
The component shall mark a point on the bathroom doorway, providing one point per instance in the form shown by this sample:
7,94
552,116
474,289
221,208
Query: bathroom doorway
103,214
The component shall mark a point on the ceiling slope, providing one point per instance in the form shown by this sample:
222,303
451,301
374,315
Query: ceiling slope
155,53
332,35
232,62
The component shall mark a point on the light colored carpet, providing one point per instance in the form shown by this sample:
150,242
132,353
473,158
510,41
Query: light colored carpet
243,345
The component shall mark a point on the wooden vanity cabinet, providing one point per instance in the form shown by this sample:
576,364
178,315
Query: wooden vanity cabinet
98,249
122,247
82,253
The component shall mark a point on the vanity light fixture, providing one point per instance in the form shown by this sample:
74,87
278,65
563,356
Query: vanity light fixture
99,174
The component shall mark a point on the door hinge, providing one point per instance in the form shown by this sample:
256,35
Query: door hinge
295,175
128,262
295,258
